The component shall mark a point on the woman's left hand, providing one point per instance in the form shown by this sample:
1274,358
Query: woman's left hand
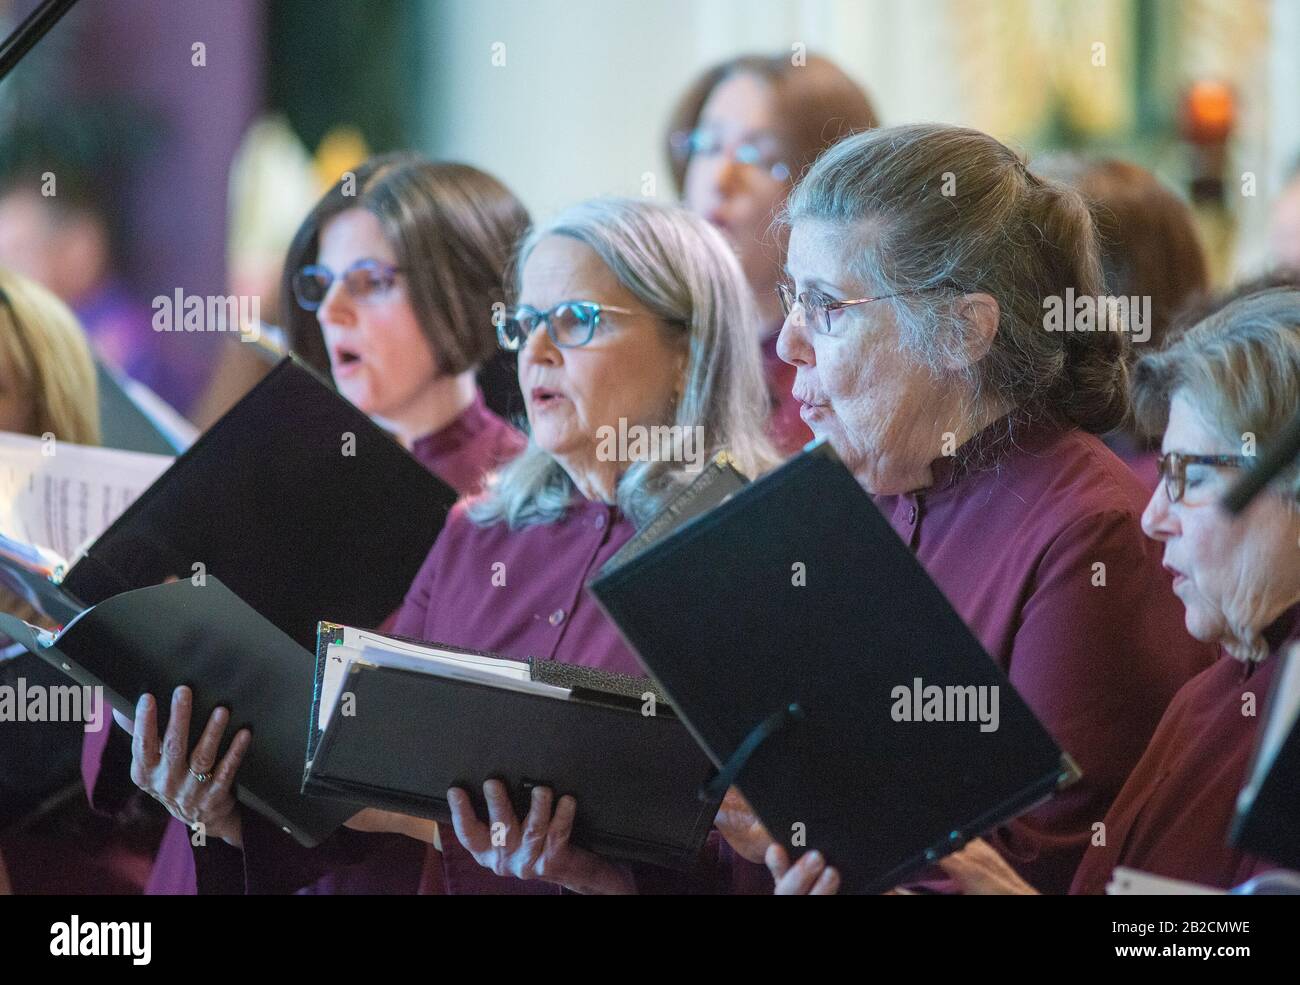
537,849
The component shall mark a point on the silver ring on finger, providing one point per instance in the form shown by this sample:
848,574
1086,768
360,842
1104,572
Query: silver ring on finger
200,777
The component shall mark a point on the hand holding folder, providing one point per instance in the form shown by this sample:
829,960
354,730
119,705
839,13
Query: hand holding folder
609,740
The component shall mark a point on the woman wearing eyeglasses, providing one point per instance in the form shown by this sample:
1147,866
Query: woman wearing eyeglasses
391,284
740,137
1236,372
920,260
392,281
629,313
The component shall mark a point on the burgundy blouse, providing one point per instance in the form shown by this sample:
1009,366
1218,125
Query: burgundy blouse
1036,541
542,610
460,454
1172,816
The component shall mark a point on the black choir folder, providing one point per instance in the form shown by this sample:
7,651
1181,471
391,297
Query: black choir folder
155,639
463,717
796,635
295,499
294,504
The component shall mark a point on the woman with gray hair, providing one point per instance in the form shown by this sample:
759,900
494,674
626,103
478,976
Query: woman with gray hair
630,315
924,259
1235,373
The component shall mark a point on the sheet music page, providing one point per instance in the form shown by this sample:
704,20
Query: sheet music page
61,496
358,641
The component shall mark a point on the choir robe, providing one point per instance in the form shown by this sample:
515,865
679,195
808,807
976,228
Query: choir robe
1173,815
517,593
1012,531
785,427
460,453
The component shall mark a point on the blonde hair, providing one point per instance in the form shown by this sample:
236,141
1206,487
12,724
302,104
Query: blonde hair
44,354
682,270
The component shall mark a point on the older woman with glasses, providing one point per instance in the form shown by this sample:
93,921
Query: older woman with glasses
922,258
390,282
630,314
1235,373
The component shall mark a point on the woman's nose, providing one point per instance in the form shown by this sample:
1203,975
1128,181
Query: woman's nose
336,306
539,348
1158,520
792,344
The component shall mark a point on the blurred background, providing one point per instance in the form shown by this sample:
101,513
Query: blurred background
190,137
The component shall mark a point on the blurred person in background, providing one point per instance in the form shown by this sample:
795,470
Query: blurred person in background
1150,248
740,137
61,225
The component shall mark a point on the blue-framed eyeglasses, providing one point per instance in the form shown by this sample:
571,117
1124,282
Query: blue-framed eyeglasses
365,280
570,324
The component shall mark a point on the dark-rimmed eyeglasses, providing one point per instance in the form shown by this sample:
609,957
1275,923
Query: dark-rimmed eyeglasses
1172,466
818,307
365,280
570,324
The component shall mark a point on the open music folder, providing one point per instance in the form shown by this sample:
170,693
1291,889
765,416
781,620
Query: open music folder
299,502
829,678
611,741
158,638
296,506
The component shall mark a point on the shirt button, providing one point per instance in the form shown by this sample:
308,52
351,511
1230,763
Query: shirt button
911,515
600,521
556,617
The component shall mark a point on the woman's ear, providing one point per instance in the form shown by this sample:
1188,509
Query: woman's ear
980,314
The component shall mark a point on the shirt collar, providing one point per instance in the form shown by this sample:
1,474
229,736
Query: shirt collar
1017,430
470,423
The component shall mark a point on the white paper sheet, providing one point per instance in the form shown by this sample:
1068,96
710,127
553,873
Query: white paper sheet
61,496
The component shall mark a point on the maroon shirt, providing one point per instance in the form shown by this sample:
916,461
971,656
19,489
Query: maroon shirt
1173,815
543,610
460,454
1013,532
785,428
